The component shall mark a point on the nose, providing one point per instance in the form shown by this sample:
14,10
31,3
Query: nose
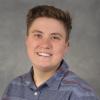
46,44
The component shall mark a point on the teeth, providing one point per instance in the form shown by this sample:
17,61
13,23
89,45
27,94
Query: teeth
44,54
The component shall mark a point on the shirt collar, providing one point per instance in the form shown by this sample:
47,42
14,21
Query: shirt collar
53,82
28,79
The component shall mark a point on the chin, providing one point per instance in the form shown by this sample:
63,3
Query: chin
45,67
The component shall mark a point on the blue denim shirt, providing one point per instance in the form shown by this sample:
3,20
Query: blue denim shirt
64,85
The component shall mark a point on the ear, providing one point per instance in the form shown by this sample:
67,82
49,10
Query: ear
67,46
26,39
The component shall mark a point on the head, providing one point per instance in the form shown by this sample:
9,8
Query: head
50,12
48,30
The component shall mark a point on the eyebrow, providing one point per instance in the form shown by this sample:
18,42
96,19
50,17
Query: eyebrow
37,31
58,34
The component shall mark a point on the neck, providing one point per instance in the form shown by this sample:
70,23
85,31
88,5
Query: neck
41,77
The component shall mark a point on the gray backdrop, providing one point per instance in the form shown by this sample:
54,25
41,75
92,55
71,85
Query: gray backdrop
84,53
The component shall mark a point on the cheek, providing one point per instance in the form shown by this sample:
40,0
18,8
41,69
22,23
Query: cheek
30,44
60,49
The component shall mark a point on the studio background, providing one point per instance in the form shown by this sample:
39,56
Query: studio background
84,52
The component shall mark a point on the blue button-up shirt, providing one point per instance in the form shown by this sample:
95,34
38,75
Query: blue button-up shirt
64,85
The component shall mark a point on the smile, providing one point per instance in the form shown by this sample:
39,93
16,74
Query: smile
44,54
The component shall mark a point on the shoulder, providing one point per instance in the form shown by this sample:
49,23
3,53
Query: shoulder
19,80
15,87
77,87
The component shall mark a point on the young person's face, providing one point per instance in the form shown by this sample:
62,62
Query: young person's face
46,43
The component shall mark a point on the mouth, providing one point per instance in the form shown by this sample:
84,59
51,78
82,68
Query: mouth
44,54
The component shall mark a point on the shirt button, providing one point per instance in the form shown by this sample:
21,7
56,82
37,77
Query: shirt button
35,93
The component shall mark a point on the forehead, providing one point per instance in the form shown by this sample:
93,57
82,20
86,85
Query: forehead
48,24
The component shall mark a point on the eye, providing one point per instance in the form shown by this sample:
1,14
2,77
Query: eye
37,35
56,37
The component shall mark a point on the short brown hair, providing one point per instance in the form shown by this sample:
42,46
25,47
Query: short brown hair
50,12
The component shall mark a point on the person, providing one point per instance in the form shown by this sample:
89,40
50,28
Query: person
47,41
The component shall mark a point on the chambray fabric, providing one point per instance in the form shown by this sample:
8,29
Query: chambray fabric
64,85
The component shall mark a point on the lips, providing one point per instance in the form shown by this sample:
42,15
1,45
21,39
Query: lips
44,54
